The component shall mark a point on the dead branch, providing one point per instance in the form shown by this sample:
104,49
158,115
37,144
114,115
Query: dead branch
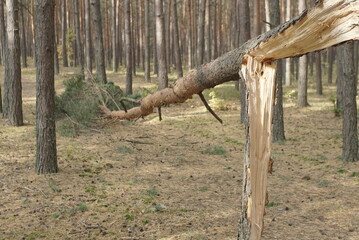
209,107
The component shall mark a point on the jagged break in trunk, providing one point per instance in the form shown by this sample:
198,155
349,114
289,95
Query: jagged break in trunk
329,23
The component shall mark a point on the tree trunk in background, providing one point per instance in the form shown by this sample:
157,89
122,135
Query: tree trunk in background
278,122
155,59
256,18
128,41
2,32
88,42
349,84
287,61
119,30
107,45
244,36
23,36
114,37
133,39
64,34
147,42
80,54
339,81
215,31
177,50
330,64
160,42
12,84
189,34
56,56
208,33
200,40
167,16
46,157
99,49
2,43
318,75
302,69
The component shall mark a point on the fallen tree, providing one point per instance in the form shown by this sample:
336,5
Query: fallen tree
328,23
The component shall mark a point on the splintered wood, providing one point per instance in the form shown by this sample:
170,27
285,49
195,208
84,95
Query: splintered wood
260,82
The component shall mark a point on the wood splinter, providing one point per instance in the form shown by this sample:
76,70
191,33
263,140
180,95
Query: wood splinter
209,108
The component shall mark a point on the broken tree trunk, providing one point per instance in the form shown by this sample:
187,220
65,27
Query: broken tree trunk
329,23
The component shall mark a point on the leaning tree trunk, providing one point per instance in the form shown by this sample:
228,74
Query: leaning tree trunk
309,32
46,157
12,83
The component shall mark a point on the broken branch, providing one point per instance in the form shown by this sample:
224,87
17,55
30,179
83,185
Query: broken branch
209,108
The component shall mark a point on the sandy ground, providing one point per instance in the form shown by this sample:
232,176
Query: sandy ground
176,179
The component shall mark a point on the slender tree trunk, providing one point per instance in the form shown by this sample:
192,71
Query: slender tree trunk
215,28
80,55
23,36
46,156
339,82
350,129
330,64
119,30
128,47
256,18
147,43
2,32
176,40
160,42
167,26
56,56
278,122
64,33
88,41
244,36
318,76
200,42
208,38
99,49
189,34
114,37
302,69
12,84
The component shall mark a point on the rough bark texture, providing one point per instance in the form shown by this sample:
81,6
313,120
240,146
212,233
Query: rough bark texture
64,32
46,157
161,45
114,37
88,41
147,42
80,54
129,49
200,34
2,43
349,84
244,36
330,64
23,36
277,42
177,49
318,73
99,47
12,83
278,122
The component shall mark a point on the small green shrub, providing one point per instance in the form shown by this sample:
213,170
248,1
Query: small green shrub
216,150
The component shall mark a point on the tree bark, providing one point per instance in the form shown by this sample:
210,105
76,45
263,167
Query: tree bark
288,61
46,156
64,33
256,18
176,40
147,42
349,84
23,36
114,37
80,55
278,122
302,70
12,84
330,64
2,43
208,39
200,40
99,49
318,75
88,41
244,36
160,42
128,47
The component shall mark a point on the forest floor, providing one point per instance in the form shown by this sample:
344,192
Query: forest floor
180,178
